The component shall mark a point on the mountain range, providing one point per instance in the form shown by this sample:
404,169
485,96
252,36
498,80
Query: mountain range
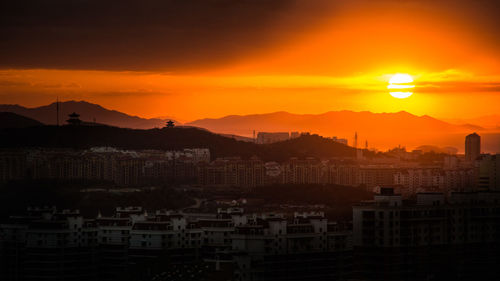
89,112
380,130
488,121
328,123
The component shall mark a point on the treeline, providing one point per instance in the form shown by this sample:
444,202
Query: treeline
16,197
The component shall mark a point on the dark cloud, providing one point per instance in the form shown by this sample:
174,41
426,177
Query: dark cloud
164,35
453,87
178,35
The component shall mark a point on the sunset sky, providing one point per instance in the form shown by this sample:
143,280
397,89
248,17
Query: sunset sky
209,58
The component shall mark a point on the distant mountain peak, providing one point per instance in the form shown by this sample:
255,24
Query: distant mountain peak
382,130
89,112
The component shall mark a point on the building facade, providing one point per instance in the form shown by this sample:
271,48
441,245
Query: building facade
432,237
472,147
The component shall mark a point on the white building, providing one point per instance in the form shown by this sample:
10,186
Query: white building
272,137
272,245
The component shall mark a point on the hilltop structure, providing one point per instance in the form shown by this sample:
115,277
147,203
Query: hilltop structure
170,124
74,119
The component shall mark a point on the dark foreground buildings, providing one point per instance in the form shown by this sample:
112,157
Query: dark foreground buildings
432,237
429,237
46,244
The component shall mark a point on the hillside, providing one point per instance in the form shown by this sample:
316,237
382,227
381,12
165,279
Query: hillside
12,120
380,130
81,137
89,112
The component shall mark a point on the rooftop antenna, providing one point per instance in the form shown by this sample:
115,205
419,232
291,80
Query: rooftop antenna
57,111
355,139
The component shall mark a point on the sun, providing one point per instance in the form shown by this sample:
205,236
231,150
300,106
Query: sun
401,82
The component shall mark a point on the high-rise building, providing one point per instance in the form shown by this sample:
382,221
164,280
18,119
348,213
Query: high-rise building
308,171
396,239
489,172
472,147
376,175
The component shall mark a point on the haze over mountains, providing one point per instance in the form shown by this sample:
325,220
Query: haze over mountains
488,121
329,123
381,130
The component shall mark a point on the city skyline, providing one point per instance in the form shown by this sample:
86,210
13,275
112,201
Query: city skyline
249,140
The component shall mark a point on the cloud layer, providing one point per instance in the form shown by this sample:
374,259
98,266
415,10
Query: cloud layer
144,35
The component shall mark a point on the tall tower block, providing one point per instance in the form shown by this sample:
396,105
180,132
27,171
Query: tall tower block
472,147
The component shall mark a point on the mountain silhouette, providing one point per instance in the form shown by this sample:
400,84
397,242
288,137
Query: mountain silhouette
12,120
487,121
381,130
89,112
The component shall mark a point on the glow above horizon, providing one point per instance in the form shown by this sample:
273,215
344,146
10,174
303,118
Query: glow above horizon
339,63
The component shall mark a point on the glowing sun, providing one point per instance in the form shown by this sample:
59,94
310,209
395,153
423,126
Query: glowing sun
401,84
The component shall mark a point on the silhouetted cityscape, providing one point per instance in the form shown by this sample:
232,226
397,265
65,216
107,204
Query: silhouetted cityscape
425,206
250,140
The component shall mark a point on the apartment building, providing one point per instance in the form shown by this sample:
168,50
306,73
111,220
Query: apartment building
396,239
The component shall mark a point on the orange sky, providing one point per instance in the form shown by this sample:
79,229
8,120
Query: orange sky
342,61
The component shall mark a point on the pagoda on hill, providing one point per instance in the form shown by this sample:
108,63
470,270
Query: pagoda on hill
170,124
74,119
